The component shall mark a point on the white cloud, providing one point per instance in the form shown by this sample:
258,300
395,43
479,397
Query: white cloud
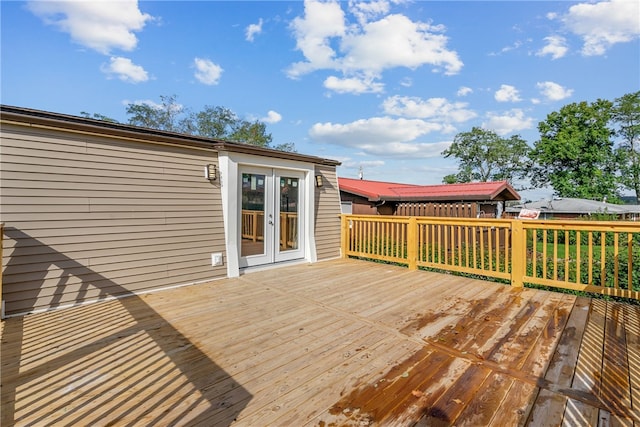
396,41
516,45
553,91
508,122
321,22
365,11
368,47
375,130
464,91
381,136
556,47
603,24
406,82
125,70
409,150
272,117
356,85
207,72
349,163
98,25
252,30
507,93
438,109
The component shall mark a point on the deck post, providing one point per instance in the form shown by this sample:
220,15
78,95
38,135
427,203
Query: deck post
518,254
344,235
412,243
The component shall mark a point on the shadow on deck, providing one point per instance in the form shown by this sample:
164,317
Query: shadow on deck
342,342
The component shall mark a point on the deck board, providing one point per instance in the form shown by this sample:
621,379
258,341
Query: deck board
342,342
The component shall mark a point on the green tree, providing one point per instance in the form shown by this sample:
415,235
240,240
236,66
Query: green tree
165,116
98,116
251,132
211,122
626,115
483,155
450,179
575,152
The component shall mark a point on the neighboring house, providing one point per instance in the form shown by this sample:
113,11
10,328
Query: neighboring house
95,210
570,208
477,199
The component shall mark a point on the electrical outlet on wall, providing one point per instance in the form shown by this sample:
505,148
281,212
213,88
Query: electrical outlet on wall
216,260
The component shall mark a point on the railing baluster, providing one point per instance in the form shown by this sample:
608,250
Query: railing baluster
433,242
616,261
590,257
466,246
567,255
630,262
446,231
603,259
534,252
490,244
578,249
555,255
475,248
544,253
482,249
459,245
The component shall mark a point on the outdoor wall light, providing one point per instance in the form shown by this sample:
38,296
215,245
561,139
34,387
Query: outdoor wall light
319,181
211,172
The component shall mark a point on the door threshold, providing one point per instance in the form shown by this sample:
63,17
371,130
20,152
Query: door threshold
263,267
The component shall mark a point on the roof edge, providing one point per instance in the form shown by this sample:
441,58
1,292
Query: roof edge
32,117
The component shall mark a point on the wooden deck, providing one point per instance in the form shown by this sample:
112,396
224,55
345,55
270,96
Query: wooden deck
339,343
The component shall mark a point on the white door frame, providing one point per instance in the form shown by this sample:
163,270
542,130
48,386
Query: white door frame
230,183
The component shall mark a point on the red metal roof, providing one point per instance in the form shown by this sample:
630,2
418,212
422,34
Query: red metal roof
378,190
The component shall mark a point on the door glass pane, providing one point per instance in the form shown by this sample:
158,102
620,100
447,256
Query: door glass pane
253,204
289,195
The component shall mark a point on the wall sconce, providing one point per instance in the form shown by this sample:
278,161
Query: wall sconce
211,172
319,181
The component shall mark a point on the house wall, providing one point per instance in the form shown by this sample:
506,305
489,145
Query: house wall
89,217
327,214
359,205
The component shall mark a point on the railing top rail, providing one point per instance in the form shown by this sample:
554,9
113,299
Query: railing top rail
552,224
582,225
481,222
380,218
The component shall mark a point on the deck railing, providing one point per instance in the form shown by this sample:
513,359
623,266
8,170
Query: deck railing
252,224
288,230
252,227
592,256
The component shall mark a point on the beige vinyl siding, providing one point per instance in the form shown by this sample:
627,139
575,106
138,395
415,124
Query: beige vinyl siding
90,217
327,214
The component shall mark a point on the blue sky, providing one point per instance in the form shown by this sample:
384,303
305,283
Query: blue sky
383,85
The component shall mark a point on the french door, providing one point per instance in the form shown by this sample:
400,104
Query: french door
271,217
